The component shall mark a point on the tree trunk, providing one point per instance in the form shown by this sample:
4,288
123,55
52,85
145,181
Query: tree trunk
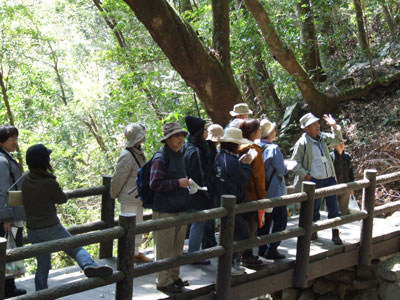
388,18
309,42
204,73
318,102
220,9
362,36
10,115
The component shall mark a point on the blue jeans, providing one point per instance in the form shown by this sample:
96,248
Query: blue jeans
196,236
54,232
331,201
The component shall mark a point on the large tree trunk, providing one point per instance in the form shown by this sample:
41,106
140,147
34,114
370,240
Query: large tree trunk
309,42
362,36
318,102
206,74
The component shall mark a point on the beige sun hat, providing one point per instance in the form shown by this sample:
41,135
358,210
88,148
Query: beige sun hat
240,109
134,133
234,135
170,129
215,131
267,127
307,119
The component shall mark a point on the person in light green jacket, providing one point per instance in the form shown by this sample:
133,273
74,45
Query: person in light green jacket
314,163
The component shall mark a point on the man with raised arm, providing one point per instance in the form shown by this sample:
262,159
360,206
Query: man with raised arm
314,163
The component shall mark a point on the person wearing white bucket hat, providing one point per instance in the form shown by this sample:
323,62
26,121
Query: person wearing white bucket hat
275,171
123,180
240,112
314,163
232,174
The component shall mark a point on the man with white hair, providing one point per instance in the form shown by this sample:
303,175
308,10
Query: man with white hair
314,163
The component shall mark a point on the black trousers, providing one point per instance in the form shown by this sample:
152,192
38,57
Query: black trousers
9,284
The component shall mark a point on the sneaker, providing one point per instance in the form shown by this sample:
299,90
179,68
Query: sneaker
14,293
252,262
274,254
237,271
97,271
170,289
140,257
181,283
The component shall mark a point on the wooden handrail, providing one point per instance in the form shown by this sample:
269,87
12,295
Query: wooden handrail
224,251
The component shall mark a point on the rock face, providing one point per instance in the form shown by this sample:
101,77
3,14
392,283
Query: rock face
390,269
380,281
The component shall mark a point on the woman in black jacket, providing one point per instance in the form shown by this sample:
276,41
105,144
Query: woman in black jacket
232,173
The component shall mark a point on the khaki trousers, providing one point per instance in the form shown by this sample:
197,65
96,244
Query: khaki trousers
135,208
168,243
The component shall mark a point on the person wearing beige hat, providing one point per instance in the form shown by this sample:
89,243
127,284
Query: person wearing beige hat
123,180
232,173
275,171
314,163
168,178
240,112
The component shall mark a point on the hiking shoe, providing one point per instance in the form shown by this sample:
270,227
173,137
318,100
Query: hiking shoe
140,257
314,236
97,271
14,293
181,283
237,271
170,289
336,238
274,254
252,262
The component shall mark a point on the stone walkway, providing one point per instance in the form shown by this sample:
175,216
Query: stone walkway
198,276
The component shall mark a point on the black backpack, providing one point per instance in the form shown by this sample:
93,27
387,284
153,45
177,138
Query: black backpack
145,193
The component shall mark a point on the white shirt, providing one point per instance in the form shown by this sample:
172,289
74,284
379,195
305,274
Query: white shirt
320,168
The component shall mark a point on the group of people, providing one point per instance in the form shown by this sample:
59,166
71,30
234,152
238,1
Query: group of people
40,194
240,160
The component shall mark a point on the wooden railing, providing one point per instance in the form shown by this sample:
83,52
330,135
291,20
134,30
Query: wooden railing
126,231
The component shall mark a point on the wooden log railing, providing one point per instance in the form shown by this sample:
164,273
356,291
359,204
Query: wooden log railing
124,232
125,235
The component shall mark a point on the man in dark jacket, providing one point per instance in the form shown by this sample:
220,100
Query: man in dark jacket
170,182
196,155
344,173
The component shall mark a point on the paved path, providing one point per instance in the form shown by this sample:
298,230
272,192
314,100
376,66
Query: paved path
198,276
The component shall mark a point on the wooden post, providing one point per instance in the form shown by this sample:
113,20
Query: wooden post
303,242
107,215
368,204
224,267
125,264
3,247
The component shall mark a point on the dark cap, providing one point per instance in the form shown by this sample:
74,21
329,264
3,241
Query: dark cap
38,156
194,124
